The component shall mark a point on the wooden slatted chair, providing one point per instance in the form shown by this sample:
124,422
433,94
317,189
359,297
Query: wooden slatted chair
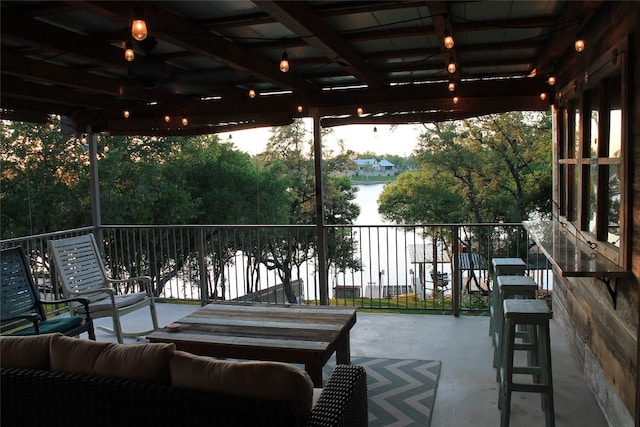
81,272
22,309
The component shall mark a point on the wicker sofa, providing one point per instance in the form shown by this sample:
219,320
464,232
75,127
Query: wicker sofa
55,380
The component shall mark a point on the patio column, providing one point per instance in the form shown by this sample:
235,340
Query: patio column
320,230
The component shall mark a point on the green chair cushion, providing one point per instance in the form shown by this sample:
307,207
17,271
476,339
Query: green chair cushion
57,324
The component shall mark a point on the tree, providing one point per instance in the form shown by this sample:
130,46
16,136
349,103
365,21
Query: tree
492,169
496,168
290,149
187,181
44,180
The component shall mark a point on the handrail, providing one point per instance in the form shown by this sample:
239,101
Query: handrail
203,262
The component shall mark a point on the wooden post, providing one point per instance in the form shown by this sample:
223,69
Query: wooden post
320,229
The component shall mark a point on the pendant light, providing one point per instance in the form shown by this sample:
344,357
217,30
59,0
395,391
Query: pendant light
284,62
451,68
129,54
139,29
448,39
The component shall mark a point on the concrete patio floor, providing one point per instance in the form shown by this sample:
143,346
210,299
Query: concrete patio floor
467,392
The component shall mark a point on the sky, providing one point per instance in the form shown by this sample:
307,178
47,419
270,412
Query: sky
359,138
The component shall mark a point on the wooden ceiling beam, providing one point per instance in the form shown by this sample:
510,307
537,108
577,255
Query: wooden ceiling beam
448,112
192,37
30,31
301,20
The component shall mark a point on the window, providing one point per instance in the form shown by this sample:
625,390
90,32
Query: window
591,155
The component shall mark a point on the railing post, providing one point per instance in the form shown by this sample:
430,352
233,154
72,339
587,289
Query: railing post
457,276
202,263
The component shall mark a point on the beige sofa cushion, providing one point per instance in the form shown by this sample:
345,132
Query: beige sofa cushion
26,352
146,362
273,381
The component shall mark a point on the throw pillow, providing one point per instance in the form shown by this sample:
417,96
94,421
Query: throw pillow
26,352
260,380
146,362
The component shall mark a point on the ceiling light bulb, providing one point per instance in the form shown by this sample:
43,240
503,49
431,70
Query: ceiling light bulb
126,114
451,67
129,54
452,86
448,41
300,108
139,29
252,93
360,111
284,62
579,45
167,118
185,121
551,80
456,99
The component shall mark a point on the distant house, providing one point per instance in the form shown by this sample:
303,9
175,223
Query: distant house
373,167
386,166
367,165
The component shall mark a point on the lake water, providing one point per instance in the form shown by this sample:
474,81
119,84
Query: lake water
367,199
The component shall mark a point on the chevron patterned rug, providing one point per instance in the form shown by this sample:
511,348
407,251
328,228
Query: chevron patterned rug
402,392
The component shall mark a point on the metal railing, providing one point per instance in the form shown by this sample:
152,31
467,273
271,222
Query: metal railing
432,267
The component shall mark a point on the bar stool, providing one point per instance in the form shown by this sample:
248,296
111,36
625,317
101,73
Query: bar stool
510,287
535,313
502,267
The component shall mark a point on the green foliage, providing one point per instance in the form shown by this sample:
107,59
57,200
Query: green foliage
290,150
491,169
44,180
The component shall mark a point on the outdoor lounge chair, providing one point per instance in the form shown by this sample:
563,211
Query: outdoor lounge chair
81,271
22,309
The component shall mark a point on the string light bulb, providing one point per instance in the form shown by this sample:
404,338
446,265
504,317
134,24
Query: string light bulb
252,93
284,62
360,111
167,118
579,44
126,114
139,29
456,99
551,80
451,68
129,54
451,86
448,40
185,121
300,108
543,96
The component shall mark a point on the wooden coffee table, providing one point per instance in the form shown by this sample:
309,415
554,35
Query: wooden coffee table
306,334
